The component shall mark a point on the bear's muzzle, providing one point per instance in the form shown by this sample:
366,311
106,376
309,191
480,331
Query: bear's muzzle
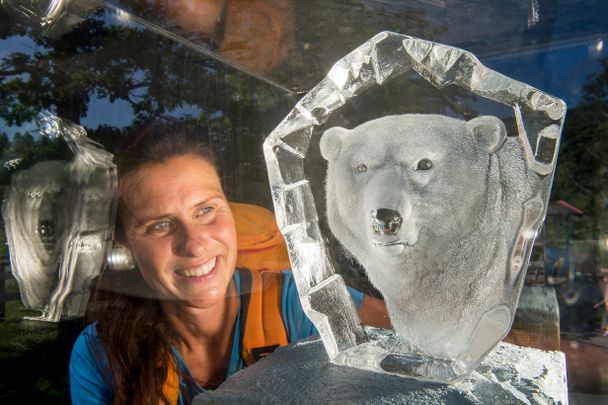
385,221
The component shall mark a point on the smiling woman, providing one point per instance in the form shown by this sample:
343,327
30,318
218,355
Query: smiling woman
178,225
181,319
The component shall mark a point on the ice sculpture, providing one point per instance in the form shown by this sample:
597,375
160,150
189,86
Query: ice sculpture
59,219
442,213
46,12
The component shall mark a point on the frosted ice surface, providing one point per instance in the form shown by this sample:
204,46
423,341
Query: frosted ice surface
301,373
425,194
447,216
59,218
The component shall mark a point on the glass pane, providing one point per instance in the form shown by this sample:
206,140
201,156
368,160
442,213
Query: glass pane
233,69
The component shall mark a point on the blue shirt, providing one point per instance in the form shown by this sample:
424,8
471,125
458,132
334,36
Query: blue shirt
90,380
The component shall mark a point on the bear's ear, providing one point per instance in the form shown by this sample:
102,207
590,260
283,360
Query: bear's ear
489,131
331,142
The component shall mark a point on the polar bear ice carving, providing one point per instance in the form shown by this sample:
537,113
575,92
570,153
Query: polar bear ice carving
59,219
430,206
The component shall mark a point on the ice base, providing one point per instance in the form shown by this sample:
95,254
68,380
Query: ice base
386,352
302,373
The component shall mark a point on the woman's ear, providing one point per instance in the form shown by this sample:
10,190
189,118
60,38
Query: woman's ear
119,258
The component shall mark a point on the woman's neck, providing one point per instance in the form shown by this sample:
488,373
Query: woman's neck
200,325
203,336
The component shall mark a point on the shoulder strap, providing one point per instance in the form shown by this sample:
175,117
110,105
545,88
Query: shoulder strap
171,385
261,325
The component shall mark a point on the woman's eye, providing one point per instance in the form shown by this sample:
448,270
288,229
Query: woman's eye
160,227
424,164
205,210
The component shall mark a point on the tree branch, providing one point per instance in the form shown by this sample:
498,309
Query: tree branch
596,156
13,72
580,186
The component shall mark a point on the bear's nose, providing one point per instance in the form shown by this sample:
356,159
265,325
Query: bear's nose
386,221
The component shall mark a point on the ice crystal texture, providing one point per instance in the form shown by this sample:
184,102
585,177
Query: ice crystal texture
59,219
300,373
442,213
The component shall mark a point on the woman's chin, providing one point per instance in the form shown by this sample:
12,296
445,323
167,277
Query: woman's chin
208,296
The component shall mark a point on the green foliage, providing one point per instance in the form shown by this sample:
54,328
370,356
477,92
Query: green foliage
100,59
582,171
34,357
329,30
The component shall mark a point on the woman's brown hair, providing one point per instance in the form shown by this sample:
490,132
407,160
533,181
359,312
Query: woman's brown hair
132,328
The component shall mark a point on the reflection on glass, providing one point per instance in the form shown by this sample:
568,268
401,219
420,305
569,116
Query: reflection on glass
59,219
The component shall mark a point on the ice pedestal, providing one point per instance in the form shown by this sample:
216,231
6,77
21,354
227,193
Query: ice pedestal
302,373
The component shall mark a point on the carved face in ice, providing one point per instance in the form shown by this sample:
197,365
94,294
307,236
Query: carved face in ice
179,227
38,223
399,179
57,215
419,201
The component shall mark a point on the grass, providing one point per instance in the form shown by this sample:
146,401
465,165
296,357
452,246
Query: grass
34,356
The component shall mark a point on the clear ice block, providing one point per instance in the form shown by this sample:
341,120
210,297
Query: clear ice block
461,204
59,217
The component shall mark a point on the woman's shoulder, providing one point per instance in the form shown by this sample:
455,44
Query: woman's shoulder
88,344
88,350
89,373
89,334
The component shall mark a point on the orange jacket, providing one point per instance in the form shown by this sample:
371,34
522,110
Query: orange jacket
260,243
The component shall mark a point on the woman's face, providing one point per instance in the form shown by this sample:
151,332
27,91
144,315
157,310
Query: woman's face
180,230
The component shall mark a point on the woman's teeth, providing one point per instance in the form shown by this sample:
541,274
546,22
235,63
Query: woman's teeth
198,271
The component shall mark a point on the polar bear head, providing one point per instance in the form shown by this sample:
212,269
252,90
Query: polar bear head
402,191
400,182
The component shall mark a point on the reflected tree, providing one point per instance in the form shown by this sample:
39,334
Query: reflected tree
327,31
582,171
104,60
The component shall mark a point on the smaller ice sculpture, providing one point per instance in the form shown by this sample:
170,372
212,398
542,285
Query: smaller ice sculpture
441,212
46,12
59,219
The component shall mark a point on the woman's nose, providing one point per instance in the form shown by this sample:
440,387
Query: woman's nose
192,240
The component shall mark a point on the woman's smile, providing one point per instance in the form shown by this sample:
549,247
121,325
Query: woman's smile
198,271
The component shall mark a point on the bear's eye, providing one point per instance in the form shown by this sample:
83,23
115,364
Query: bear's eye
424,164
361,168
